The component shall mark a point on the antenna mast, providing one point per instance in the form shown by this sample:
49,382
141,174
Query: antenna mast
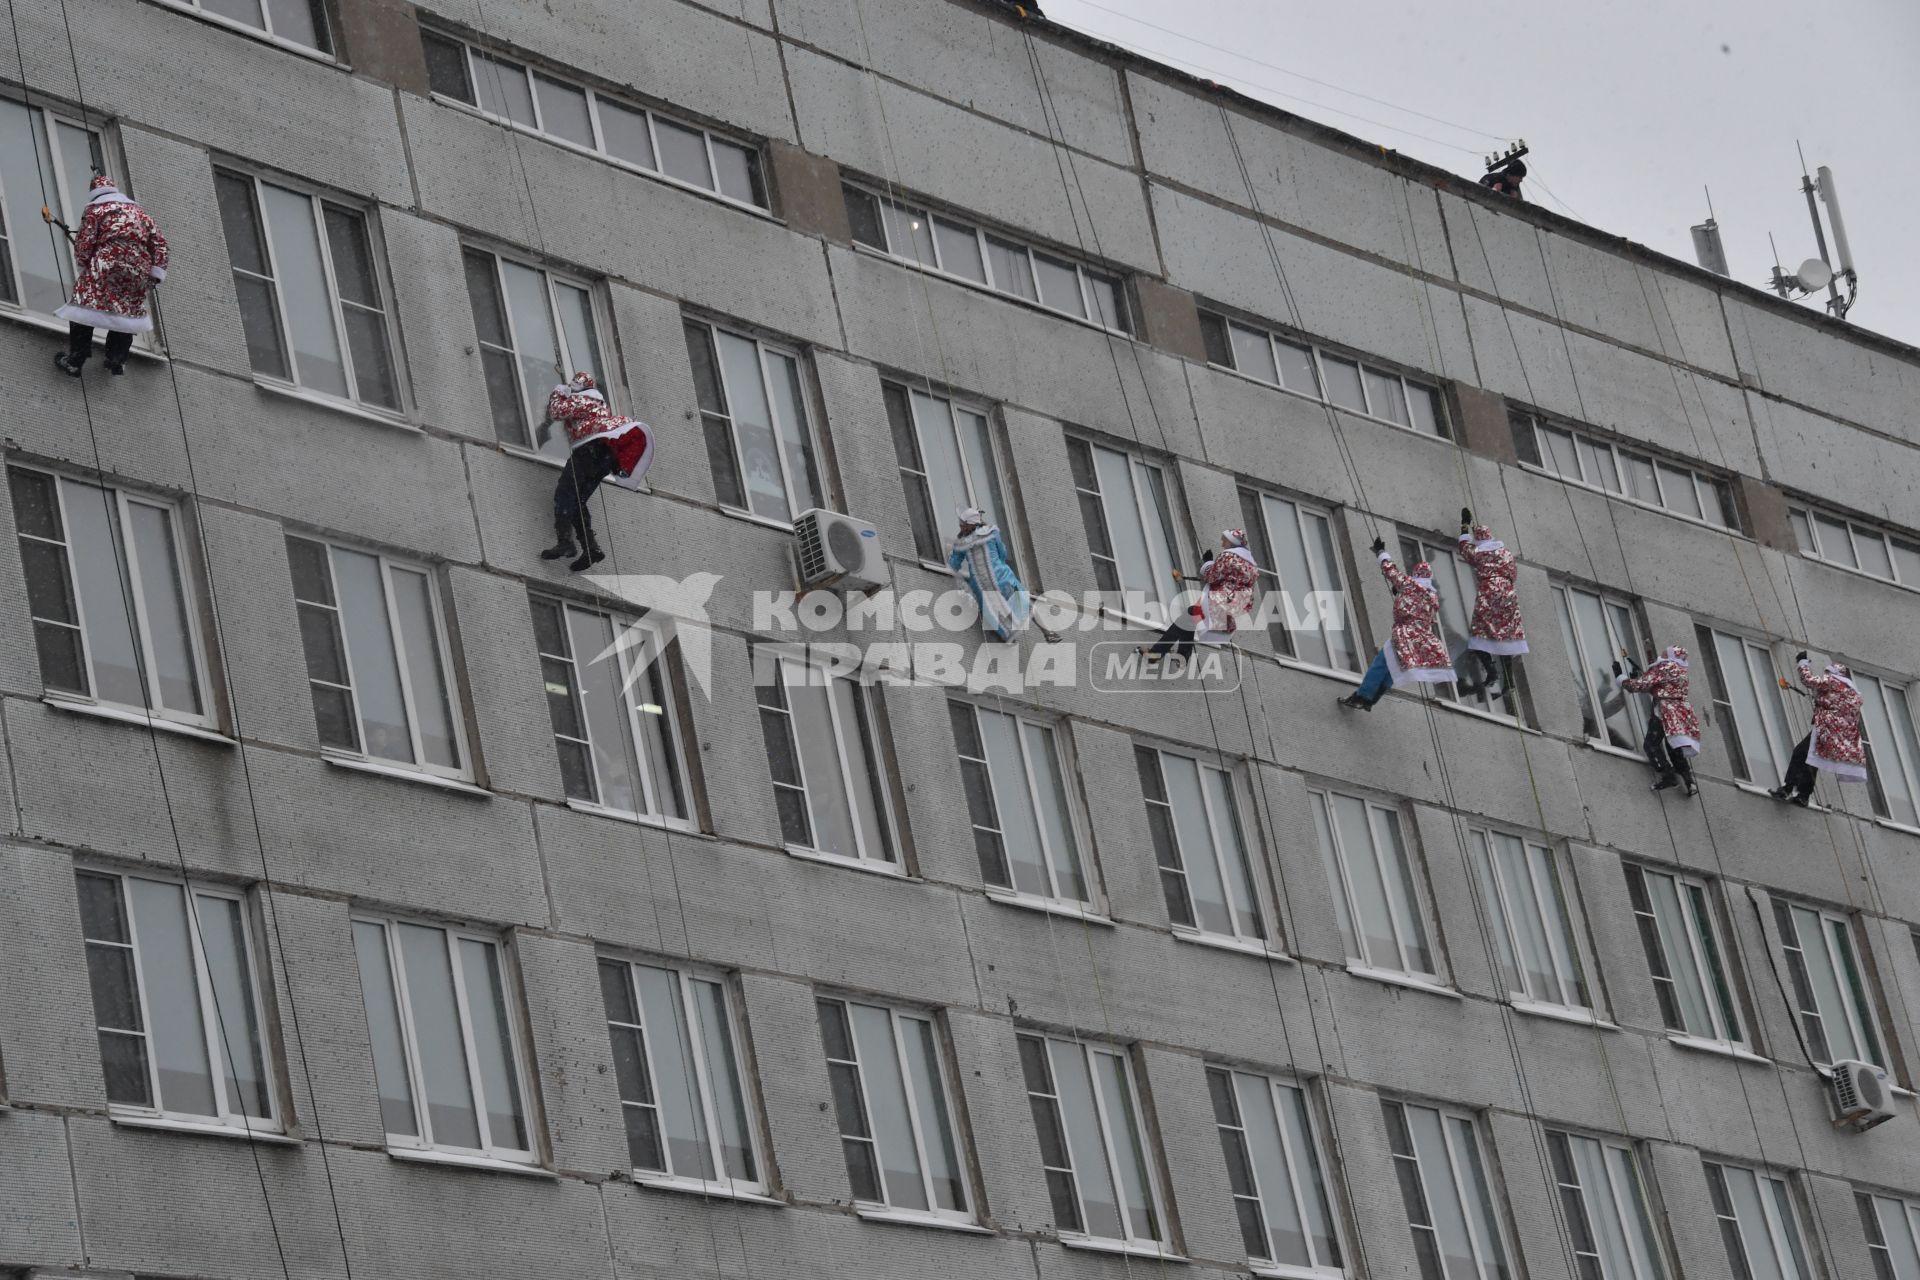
1820,272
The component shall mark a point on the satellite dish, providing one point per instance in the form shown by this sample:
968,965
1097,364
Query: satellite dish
1814,275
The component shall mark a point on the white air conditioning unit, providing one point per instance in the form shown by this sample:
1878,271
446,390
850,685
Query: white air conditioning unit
838,551
1862,1095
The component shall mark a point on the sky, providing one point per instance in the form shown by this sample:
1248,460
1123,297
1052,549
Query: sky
1632,109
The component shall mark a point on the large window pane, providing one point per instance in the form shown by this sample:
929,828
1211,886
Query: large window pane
440,1052
178,1029
383,1021
304,292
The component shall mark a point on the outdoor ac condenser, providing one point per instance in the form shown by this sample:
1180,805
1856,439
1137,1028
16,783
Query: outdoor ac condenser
838,551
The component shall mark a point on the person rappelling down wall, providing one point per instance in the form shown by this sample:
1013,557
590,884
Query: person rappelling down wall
979,562
1414,653
603,445
1226,598
1497,632
119,256
1834,743
1673,731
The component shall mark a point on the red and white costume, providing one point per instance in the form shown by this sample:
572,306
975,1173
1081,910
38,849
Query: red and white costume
1228,598
118,255
1415,651
1837,746
1668,682
579,407
1496,606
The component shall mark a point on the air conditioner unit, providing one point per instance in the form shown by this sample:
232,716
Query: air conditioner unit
838,551
1862,1095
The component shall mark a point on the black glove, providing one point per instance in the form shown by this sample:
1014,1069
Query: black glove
1466,517
1616,669
1379,545
1799,657
1208,557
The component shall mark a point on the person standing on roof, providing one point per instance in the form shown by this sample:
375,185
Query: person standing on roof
1673,731
119,255
1496,631
979,562
604,445
1506,180
1834,743
1227,597
1414,652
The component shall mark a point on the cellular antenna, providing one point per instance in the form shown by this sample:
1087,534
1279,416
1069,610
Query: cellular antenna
1819,273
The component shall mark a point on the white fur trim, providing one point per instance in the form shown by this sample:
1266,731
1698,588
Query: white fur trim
104,319
1685,741
1386,557
620,427
158,273
1501,647
1415,675
108,195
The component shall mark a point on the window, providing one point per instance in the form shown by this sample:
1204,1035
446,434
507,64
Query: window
1585,459
682,1086
1829,988
1599,631
1198,842
310,298
613,718
176,998
1321,375
1294,545
822,746
1092,1141
1682,941
46,161
1757,1222
445,1054
377,659
1893,1235
1458,592
890,1094
1449,1199
945,452
301,22
1375,895
1893,748
1128,518
1274,1167
586,118
1746,701
536,329
1017,793
753,408
1605,1207
1529,908
1853,545
114,619
955,247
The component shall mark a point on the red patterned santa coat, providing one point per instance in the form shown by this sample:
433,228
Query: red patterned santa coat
1669,684
1415,651
1836,746
1230,578
1496,606
580,408
118,255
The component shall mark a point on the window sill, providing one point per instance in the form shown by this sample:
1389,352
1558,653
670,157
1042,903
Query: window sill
637,819
333,404
1755,789
1219,942
980,286
1492,717
1314,668
485,1164
765,522
1891,825
1701,1045
405,775
907,1218
167,1124
665,179
1407,980
142,348
254,33
1049,906
533,455
1641,503
1131,1249
705,1190
871,866
1281,1271
1559,1013
1607,748
121,716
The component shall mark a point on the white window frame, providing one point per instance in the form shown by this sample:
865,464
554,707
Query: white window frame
917,1124
212,1018
1638,706
1319,355
887,860
1705,953
1103,1113
1862,1026
701,1071
1036,796
1766,693
1895,759
1229,825
455,712
336,304
1301,1166
470,54
1779,1226
1806,519
1138,469
985,492
765,349
1625,1204
55,196
1462,599
410,1046
1712,494
1470,1176
127,558
1555,907
1405,930
570,360
265,30
1255,510
1873,1209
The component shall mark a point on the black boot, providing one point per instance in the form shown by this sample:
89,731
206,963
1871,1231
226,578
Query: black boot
1781,792
563,548
116,367
1666,782
68,365
591,556
1354,702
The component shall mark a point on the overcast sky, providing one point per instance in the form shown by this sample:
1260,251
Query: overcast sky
1630,107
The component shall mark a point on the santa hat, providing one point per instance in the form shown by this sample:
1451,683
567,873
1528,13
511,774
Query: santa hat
971,515
1676,654
1483,539
1234,537
1841,672
1422,573
102,191
581,381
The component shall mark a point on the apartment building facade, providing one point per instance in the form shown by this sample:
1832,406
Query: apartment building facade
371,903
